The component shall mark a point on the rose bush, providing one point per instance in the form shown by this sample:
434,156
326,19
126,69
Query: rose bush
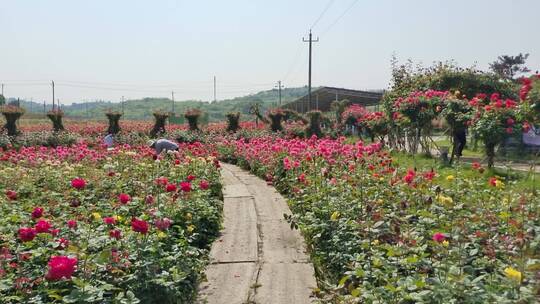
382,233
95,226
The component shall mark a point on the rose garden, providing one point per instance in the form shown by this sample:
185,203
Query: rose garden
382,222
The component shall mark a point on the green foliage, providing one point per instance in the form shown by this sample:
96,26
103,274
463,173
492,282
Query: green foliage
509,66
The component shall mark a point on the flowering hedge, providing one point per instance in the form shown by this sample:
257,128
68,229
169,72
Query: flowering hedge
96,226
382,233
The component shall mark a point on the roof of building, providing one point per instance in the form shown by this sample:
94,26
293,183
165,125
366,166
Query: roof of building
322,98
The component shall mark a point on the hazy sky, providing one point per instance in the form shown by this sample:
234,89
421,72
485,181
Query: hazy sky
103,49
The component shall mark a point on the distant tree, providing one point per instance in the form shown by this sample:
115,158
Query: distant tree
510,66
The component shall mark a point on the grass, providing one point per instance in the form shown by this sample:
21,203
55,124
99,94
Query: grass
516,179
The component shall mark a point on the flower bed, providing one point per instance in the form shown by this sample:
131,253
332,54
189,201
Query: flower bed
382,233
97,226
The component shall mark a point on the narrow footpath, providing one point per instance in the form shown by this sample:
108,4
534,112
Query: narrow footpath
258,258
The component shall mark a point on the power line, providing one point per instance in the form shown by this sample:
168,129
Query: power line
322,13
339,18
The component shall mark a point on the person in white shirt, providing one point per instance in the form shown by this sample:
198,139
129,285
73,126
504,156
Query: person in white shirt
109,140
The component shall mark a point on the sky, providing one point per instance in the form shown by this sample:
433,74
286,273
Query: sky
103,49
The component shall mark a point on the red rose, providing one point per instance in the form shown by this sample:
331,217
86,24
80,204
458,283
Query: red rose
162,181
72,224
43,226
190,178
109,220
111,173
124,198
27,234
476,165
493,181
78,183
438,237
510,122
139,225
409,177
149,199
185,186
509,130
37,212
204,184
115,234
170,187
163,224
61,267
12,195
177,162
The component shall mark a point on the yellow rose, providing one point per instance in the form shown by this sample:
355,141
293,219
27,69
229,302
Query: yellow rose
513,274
190,228
335,216
445,243
96,216
161,235
450,178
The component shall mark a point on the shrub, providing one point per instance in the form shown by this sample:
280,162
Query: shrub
495,120
276,117
11,114
192,116
233,122
160,119
314,126
114,122
56,118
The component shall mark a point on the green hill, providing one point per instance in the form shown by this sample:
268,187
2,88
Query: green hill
142,108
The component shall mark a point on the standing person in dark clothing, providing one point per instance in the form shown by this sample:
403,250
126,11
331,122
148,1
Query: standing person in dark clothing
460,139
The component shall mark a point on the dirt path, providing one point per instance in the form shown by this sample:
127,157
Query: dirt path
258,258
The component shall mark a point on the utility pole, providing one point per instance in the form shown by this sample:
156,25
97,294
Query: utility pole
172,98
52,94
3,89
310,40
279,86
86,104
122,104
214,88
44,108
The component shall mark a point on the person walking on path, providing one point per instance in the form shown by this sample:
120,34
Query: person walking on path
161,145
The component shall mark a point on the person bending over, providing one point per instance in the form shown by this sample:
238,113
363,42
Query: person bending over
161,145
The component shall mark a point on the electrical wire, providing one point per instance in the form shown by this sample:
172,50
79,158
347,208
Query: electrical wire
322,13
339,18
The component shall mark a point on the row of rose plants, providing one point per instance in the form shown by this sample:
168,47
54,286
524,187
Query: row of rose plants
382,233
85,225
491,119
